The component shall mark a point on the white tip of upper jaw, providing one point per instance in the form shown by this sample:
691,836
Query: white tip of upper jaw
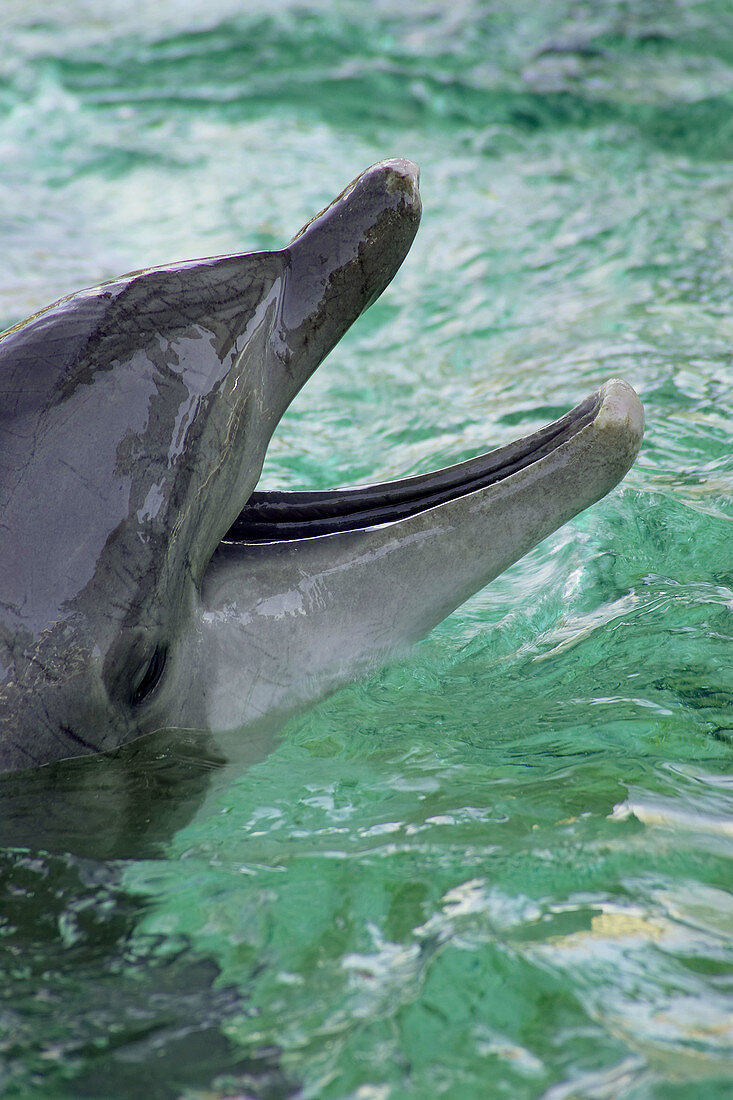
402,167
399,176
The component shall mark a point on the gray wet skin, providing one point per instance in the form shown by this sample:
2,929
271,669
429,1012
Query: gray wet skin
143,585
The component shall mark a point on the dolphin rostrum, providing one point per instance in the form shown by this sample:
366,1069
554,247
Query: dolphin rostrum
144,584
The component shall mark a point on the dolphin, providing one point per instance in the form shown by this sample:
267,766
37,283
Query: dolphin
145,584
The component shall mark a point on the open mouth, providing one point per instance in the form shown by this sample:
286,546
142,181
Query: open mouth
289,516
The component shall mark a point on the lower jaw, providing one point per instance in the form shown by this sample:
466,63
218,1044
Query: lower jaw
275,516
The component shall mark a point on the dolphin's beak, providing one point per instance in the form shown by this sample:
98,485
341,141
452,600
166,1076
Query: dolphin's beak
594,445
336,266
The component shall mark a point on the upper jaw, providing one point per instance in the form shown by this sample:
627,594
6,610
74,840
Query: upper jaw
612,418
343,259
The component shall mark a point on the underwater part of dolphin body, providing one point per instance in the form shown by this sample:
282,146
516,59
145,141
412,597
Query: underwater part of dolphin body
144,584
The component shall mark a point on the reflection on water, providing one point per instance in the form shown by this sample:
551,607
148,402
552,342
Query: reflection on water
503,862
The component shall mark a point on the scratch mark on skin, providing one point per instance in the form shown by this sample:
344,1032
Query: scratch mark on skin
78,739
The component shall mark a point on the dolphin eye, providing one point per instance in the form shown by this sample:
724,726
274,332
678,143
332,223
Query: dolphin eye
148,675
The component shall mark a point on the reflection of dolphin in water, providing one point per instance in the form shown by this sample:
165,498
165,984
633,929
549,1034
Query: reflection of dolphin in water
143,584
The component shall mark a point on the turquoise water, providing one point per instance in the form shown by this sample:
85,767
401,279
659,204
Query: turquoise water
500,866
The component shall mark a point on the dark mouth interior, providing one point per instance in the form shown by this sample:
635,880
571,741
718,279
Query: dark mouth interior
287,516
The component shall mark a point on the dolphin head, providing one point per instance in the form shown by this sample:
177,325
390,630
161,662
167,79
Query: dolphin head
141,574
134,421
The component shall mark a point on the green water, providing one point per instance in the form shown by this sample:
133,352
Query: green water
501,866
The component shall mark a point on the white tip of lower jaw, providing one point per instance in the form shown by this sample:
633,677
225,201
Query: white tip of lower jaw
621,414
